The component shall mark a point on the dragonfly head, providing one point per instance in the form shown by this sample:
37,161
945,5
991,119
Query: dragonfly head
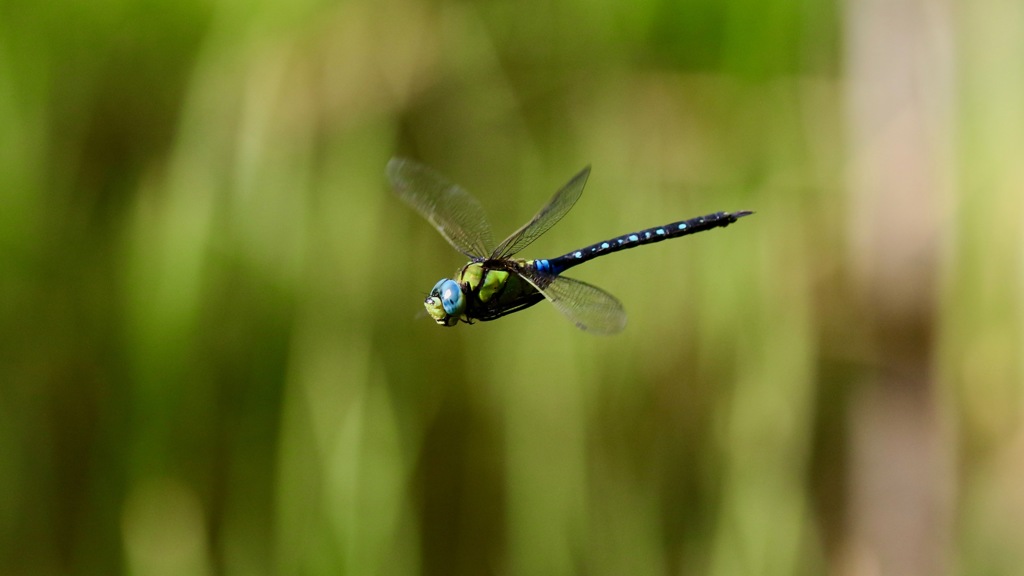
445,303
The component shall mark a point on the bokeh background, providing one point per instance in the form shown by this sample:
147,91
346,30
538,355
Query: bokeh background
212,359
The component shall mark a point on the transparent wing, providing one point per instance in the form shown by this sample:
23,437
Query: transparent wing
453,211
548,216
587,306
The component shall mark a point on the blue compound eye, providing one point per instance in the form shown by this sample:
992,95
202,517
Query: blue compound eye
451,296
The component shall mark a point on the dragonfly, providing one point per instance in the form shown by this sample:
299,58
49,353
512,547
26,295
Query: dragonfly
493,283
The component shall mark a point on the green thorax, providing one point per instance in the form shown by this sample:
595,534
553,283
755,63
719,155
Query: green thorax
492,287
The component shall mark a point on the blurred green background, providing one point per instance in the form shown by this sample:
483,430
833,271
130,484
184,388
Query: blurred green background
212,361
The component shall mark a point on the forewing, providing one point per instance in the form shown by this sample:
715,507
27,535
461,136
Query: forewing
548,216
452,210
587,306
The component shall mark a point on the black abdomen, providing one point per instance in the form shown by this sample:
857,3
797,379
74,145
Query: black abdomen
648,236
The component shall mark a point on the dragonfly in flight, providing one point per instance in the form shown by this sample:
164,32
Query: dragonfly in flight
494,283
